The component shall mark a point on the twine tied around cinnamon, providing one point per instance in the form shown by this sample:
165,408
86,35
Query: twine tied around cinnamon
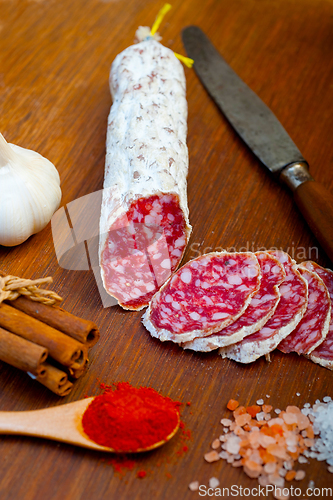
12,287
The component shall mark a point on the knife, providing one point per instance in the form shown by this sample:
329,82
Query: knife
263,133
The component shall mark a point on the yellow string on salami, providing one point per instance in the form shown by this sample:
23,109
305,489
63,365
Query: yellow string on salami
186,60
159,18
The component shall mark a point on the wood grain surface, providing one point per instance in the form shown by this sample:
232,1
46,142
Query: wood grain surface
54,98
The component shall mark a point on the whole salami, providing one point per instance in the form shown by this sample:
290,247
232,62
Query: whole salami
203,296
144,226
323,354
288,314
261,308
313,327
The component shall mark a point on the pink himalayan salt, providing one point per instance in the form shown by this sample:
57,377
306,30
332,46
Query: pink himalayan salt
254,439
250,472
212,456
275,421
241,420
270,467
289,418
265,440
276,480
260,416
277,451
279,494
226,422
233,445
293,409
277,446
238,431
263,480
282,472
216,444
302,421
194,486
214,482
253,466
300,474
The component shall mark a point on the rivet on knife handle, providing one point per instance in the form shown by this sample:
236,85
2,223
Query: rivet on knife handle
314,201
295,174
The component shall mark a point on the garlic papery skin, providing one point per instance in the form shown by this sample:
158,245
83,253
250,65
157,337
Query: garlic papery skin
29,193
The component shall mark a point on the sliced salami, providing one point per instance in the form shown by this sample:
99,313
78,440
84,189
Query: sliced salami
289,312
313,327
144,226
202,297
323,354
261,308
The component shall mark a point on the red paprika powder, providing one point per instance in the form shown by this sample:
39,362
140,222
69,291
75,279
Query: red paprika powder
141,474
129,419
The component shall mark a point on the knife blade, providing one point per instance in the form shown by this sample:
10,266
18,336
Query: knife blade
263,133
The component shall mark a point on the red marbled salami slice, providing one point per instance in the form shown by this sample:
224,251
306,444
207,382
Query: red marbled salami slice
323,354
288,314
143,248
313,327
205,295
261,308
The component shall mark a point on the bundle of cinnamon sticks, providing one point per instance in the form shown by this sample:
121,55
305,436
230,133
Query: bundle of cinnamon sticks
45,341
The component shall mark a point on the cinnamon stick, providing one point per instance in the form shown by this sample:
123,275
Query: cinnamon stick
21,353
61,347
34,328
56,380
83,330
76,371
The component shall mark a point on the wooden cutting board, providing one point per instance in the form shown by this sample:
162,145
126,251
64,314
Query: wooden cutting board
54,65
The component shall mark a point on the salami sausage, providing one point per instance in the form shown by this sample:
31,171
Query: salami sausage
288,314
313,327
323,354
205,295
261,308
144,226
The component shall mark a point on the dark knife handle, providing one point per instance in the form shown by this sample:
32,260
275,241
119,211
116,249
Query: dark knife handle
314,201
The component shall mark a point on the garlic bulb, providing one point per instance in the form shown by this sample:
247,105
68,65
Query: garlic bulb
29,193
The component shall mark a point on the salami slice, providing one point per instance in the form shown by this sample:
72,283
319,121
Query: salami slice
261,308
202,297
323,354
313,327
144,226
288,314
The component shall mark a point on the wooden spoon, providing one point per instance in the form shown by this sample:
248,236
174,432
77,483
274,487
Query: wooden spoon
60,423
